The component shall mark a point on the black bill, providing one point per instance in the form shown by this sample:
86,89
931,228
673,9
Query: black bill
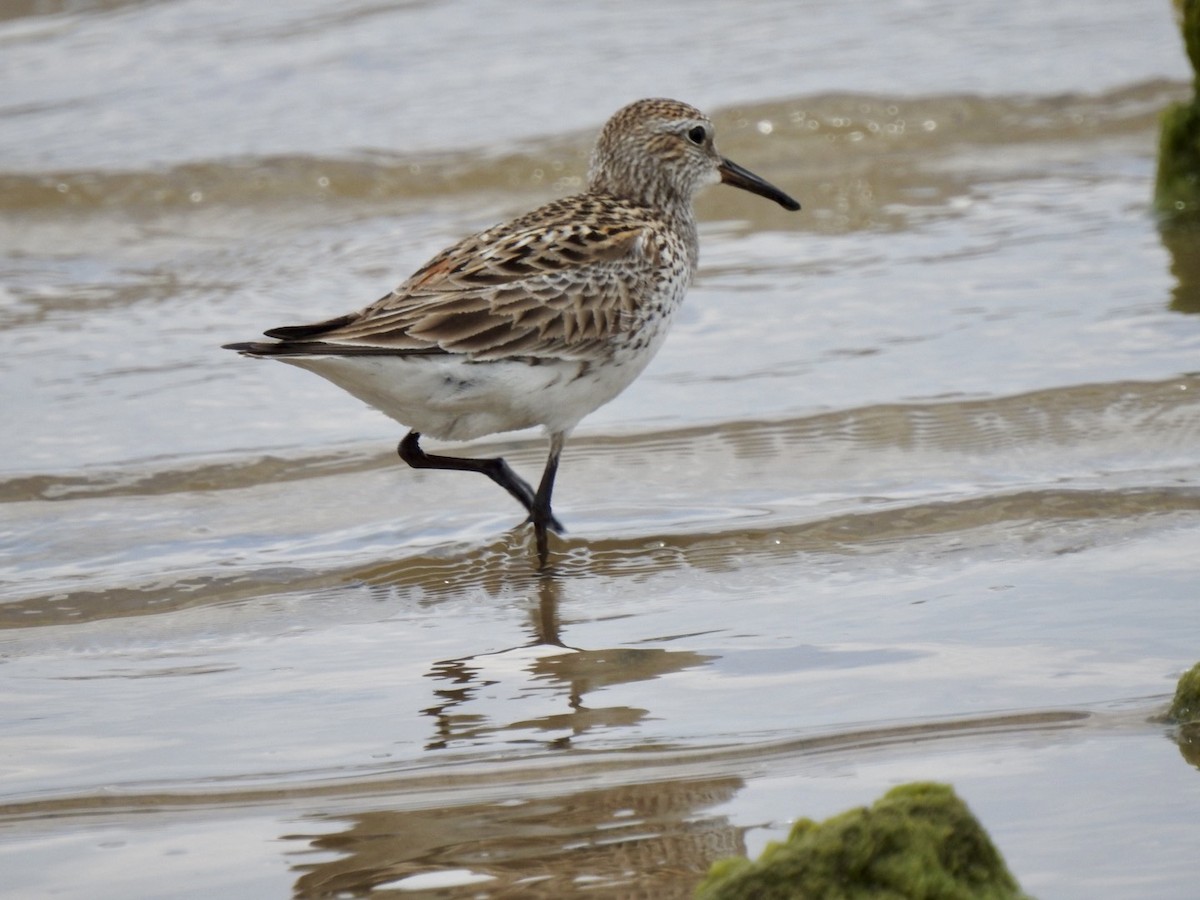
732,173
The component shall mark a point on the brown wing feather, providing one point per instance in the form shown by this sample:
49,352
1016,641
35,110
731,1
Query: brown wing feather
544,285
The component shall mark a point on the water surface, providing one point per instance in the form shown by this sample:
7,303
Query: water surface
911,491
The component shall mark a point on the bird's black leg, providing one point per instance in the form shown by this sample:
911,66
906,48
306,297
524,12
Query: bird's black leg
537,505
539,512
496,469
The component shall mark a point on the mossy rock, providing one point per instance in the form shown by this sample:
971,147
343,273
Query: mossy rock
1177,186
1185,708
918,842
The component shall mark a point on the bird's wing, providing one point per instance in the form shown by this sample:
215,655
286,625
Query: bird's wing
559,288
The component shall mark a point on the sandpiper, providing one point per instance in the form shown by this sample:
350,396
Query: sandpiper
540,320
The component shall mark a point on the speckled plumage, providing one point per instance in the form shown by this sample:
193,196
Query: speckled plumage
540,320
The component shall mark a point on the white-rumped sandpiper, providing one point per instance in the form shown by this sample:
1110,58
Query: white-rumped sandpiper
540,320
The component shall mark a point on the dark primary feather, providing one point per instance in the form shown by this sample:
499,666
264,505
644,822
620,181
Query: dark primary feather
319,348
295,332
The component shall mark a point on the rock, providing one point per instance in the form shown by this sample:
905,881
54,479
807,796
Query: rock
918,842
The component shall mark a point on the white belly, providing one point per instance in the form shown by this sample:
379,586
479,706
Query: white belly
449,398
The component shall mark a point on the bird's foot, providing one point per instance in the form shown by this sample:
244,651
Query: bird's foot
544,521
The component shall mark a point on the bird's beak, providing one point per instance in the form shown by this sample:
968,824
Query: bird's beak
732,173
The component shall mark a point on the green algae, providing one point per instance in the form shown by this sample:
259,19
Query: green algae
1177,186
1185,708
1185,712
1177,183
917,842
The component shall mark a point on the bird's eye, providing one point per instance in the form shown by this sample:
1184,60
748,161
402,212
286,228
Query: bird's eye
697,135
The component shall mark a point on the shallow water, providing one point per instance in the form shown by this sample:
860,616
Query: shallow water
911,491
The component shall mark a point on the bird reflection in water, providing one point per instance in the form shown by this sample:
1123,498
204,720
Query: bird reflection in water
540,828
553,675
